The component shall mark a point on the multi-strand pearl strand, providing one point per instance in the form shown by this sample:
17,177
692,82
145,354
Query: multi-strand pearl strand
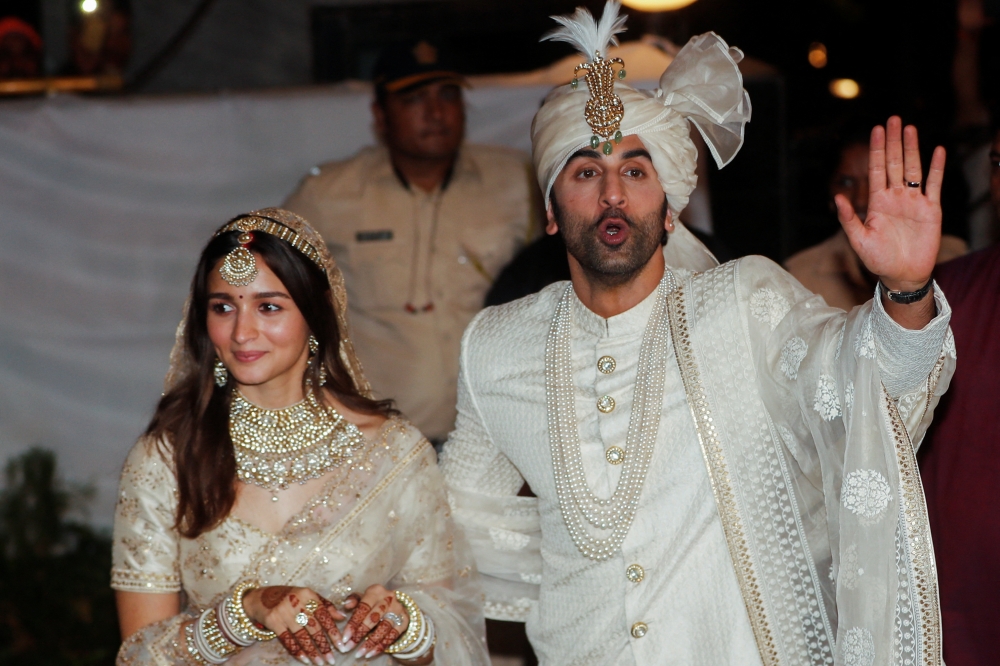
578,503
276,447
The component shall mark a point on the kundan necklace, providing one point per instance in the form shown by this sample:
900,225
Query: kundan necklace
276,447
584,512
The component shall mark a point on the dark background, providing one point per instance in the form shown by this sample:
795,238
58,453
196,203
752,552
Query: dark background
771,200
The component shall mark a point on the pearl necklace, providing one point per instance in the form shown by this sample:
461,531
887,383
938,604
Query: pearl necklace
578,503
276,447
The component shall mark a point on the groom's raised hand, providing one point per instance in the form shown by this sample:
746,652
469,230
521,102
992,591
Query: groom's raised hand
900,237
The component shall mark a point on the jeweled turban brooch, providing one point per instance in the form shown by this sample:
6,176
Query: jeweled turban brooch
604,110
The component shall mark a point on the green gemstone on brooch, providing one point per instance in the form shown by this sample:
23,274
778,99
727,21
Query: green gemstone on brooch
621,73
594,142
608,148
618,136
574,83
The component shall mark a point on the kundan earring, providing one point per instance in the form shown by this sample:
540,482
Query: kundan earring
220,372
313,351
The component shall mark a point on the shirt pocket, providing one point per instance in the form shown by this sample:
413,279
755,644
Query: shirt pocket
380,267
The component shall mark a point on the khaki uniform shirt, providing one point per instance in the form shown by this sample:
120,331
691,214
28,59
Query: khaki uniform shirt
418,264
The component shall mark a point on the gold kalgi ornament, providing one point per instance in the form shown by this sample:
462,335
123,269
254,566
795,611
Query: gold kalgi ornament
604,110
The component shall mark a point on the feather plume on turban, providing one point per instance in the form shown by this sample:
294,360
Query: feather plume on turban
702,85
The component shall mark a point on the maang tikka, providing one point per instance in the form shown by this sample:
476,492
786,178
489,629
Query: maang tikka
239,267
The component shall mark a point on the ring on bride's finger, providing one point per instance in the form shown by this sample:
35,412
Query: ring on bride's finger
395,619
913,183
302,619
311,606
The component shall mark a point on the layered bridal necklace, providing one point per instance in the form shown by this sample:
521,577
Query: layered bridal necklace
582,510
277,447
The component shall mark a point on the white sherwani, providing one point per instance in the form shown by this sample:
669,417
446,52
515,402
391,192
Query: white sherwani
781,520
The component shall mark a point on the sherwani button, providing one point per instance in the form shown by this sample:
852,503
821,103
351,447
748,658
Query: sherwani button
615,455
606,364
639,629
606,404
635,573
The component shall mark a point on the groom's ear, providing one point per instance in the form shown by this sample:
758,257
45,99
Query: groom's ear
551,226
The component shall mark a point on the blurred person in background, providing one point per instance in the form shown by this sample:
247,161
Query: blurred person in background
973,138
960,461
832,268
101,39
20,50
420,225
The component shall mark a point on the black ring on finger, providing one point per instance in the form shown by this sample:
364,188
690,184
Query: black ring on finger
913,183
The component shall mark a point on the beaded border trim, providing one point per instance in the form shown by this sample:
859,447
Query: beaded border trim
718,474
919,546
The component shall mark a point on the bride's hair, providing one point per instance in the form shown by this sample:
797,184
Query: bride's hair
193,416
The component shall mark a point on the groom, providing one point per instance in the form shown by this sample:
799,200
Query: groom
723,464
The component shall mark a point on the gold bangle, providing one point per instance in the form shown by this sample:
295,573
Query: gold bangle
408,639
239,614
218,643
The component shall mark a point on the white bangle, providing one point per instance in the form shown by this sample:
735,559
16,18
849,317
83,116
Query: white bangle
424,644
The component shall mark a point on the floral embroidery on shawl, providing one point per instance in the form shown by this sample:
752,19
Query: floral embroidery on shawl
859,648
827,404
849,396
850,573
769,307
864,344
907,403
792,354
866,493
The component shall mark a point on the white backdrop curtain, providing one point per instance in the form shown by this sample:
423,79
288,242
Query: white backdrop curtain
104,206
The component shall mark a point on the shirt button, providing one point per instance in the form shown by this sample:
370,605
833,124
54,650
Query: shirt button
606,364
615,455
635,573
639,629
606,404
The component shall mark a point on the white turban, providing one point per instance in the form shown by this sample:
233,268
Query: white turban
702,85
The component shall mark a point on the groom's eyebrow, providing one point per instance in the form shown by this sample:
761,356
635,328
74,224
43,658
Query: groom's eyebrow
584,152
637,152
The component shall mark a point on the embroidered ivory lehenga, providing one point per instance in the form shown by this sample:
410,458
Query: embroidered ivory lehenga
382,517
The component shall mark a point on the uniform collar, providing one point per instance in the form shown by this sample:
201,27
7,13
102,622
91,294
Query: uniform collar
463,169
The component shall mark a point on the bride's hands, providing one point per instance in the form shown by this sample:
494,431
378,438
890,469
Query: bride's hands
305,622
378,620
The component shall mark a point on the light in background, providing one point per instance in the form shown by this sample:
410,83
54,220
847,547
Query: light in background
88,6
817,55
845,88
656,5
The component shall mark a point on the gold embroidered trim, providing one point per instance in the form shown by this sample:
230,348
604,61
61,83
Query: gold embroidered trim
919,547
128,580
718,474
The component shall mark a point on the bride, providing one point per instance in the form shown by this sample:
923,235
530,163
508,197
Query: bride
271,496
